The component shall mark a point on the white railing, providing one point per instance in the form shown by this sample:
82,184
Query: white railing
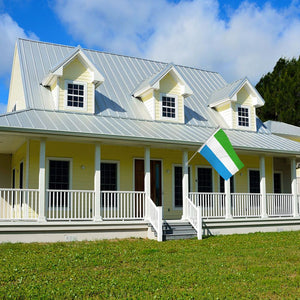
154,214
16,204
212,204
70,204
246,205
279,205
122,205
194,217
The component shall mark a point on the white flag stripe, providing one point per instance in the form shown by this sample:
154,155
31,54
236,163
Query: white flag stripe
223,156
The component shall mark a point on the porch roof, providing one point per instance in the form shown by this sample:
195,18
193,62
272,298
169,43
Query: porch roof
44,122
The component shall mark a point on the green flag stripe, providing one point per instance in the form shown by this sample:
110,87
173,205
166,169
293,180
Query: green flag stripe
222,138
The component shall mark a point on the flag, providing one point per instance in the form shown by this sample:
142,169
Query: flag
219,152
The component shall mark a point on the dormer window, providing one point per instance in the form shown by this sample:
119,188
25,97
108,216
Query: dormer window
243,116
168,106
75,95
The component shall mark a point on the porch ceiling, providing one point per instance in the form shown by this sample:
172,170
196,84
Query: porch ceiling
10,143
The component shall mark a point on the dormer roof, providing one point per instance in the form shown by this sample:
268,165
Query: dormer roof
229,93
153,82
78,52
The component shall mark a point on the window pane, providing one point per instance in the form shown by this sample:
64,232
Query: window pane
243,116
277,183
75,95
254,181
58,180
108,176
205,180
168,107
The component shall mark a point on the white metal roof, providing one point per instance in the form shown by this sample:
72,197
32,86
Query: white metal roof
103,127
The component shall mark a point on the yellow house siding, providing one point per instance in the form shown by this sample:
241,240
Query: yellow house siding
16,90
168,85
5,170
76,71
18,157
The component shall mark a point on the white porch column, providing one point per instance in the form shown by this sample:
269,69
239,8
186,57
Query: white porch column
97,183
185,183
147,179
294,187
228,214
262,172
42,182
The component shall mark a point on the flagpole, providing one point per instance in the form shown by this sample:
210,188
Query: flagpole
203,144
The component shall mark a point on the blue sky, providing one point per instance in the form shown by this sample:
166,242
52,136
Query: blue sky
235,38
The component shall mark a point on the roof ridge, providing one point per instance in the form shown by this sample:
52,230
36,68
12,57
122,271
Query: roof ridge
117,54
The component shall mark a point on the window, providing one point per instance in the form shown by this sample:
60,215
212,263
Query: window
169,106
222,185
59,179
178,185
277,183
75,95
108,176
109,182
205,180
243,116
254,181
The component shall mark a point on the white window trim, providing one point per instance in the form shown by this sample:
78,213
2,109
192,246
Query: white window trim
173,185
196,176
84,108
70,177
248,173
176,107
237,116
117,162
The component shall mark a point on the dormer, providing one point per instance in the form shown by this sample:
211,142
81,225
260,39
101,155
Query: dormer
73,82
237,103
163,94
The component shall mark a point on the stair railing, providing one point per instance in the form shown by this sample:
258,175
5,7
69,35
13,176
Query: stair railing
194,216
155,218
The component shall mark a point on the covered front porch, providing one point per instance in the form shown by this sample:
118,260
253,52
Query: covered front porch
151,184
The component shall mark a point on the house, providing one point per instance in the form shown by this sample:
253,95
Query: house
95,145
287,131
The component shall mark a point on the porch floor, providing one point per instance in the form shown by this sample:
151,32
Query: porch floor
59,231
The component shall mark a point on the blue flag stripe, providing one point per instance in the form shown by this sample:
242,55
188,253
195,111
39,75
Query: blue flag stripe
215,162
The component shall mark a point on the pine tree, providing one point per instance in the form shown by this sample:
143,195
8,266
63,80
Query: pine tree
281,92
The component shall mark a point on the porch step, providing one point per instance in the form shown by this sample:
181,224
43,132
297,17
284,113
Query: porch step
177,230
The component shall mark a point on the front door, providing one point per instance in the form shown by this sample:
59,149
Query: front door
155,179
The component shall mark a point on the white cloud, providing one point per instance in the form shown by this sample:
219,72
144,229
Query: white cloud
190,32
10,31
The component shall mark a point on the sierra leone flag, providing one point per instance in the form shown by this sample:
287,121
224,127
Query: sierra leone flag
220,154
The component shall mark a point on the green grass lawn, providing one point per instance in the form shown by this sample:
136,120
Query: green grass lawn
261,265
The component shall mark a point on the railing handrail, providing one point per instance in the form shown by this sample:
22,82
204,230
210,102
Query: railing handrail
71,191
18,189
120,192
197,224
206,193
157,224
